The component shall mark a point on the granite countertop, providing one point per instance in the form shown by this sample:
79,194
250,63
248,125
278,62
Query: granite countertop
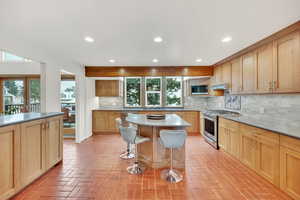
147,109
285,125
6,120
172,120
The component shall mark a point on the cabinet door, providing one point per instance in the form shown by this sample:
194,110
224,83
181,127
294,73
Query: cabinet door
32,150
265,69
249,73
287,64
111,121
248,149
227,74
268,160
99,121
236,76
289,172
9,162
222,134
107,88
53,141
218,75
234,137
192,118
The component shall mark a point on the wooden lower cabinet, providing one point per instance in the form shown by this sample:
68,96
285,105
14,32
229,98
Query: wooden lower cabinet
229,137
54,142
104,121
32,150
29,149
256,148
10,161
248,148
289,166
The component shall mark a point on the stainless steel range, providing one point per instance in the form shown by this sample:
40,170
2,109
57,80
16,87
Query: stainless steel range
211,118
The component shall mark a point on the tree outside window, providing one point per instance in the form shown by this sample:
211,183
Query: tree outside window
173,91
133,91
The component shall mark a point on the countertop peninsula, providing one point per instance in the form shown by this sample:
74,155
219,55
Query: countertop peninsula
171,120
6,120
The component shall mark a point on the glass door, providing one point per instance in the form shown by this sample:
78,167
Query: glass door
13,96
34,94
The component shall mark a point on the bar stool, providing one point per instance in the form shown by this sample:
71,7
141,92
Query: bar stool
130,136
172,139
128,154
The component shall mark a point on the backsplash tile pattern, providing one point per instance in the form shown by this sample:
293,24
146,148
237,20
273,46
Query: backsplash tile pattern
275,105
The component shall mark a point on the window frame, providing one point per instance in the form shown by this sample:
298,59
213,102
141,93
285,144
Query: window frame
153,92
125,92
165,92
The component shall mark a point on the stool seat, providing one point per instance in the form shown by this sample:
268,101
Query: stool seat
128,154
130,135
172,139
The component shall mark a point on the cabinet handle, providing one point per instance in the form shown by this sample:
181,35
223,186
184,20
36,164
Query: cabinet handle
48,125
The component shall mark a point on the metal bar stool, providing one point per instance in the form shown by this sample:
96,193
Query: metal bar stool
128,154
130,136
172,139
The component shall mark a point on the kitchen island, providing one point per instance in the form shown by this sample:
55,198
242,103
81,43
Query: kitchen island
30,144
153,153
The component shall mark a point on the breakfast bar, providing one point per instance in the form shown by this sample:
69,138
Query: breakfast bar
153,153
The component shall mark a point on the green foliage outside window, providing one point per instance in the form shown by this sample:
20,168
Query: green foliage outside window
133,91
35,91
173,91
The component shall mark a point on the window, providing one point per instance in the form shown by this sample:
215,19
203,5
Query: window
173,91
153,91
34,95
9,57
133,91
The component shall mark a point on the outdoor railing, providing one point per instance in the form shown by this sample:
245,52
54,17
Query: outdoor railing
19,108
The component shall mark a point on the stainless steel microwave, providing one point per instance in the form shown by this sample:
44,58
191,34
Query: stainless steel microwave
199,89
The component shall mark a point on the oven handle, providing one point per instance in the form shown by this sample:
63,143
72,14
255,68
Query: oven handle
208,118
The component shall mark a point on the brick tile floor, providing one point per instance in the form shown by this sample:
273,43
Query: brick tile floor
93,170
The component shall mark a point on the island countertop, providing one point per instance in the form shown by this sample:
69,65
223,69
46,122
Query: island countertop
6,120
171,120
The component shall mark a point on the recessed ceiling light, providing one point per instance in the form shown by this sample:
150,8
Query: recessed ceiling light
155,60
227,39
89,39
158,39
199,60
112,61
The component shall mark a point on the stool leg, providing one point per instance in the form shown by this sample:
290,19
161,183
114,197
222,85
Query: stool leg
127,154
171,175
136,168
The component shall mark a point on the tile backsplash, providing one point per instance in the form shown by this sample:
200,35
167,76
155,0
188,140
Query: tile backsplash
263,104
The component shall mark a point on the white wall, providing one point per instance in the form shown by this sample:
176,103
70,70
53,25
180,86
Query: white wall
91,103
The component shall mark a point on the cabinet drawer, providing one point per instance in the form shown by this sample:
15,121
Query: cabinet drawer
228,123
289,142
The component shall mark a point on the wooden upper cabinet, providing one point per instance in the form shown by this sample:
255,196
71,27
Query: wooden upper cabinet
287,64
249,73
218,75
226,76
265,69
236,76
107,88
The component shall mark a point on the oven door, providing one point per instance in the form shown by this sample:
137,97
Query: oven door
210,128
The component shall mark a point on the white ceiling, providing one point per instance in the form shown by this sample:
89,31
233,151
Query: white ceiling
124,29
